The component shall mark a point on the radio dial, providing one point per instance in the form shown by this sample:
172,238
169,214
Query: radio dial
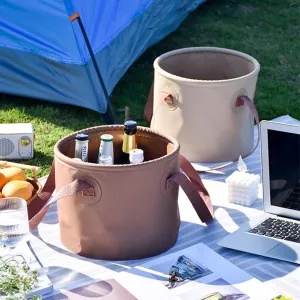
24,149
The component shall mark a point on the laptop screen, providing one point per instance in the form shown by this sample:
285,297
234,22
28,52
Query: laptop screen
284,169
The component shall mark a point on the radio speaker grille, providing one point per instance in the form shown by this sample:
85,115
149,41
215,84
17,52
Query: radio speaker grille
6,147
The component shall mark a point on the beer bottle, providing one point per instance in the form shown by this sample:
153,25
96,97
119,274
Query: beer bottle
105,160
106,147
129,139
81,146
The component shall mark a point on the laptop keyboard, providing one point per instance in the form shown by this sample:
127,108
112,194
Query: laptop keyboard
278,229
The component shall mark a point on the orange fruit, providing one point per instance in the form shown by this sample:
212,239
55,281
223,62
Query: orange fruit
3,180
18,188
13,173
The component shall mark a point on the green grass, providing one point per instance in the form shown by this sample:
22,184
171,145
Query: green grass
269,30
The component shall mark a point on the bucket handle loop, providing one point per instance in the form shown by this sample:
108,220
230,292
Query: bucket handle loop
38,208
194,188
169,99
165,97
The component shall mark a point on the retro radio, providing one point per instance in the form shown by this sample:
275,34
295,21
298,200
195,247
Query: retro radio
16,141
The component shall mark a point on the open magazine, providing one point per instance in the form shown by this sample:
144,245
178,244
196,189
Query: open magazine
195,273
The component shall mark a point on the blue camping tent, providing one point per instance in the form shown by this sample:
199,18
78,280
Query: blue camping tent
43,54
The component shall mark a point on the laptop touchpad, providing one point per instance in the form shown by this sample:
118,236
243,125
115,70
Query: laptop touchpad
282,251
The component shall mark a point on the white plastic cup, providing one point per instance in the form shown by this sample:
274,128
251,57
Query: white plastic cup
136,156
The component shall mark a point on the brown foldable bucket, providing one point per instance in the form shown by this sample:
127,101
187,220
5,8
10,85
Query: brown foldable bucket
120,211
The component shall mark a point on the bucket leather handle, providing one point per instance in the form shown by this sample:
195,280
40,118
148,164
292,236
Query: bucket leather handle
40,205
194,188
165,97
148,111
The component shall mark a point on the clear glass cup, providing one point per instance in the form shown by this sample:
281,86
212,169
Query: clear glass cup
14,225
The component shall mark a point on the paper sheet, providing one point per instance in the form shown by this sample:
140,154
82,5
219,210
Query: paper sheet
201,274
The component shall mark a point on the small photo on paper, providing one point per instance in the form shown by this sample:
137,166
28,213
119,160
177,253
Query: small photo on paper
215,290
183,270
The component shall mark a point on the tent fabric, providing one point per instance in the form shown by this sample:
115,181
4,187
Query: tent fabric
44,55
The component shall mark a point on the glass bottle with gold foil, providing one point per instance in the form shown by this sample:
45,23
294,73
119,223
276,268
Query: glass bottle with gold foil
129,139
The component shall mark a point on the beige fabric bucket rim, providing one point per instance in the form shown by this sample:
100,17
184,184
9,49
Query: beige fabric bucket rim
183,80
100,129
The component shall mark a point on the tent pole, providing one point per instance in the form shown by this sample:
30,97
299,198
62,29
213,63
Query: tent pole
110,115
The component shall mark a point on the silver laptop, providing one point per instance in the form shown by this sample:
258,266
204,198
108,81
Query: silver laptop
276,232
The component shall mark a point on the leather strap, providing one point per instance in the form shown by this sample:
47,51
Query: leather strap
192,174
40,205
148,111
202,203
165,97
203,208
41,199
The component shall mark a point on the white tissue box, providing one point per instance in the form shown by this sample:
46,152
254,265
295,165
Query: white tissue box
242,188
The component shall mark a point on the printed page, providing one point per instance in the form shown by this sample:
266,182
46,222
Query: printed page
195,273
199,273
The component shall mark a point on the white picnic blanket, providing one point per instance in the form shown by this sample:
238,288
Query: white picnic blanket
67,270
